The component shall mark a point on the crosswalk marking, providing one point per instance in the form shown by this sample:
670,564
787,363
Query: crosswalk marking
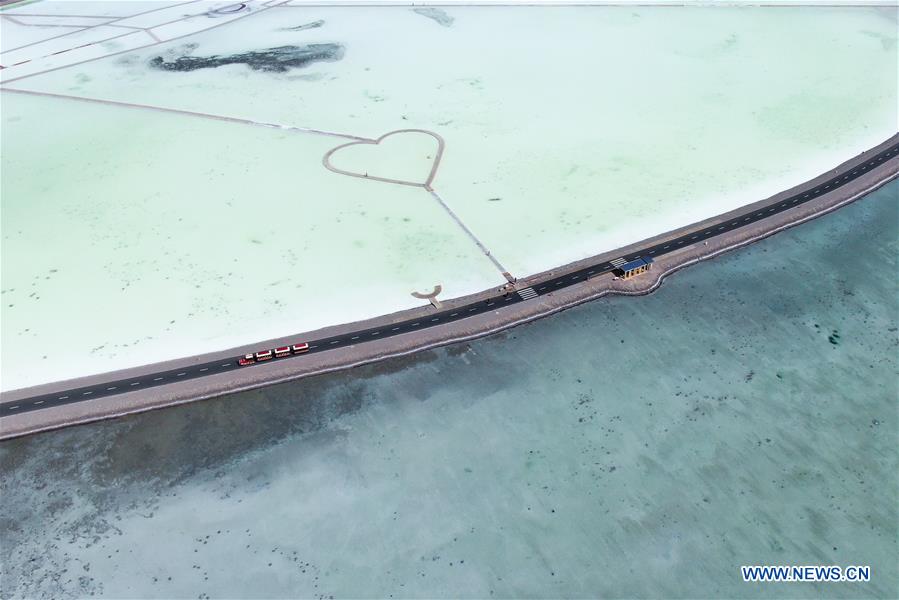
617,262
527,293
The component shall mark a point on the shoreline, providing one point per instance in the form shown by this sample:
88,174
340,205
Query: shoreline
80,352
467,329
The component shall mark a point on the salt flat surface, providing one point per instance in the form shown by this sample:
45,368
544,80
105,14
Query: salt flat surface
139,246
569,131
15,35
89,43
51,46
65,20
759,428
85,7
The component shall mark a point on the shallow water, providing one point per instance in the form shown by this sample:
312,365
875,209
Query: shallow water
577,130
746,413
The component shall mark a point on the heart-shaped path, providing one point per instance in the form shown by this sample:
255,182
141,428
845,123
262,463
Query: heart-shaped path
378,162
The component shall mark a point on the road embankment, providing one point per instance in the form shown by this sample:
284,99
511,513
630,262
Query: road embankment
457,331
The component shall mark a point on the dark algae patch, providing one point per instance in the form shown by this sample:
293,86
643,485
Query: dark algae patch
272,60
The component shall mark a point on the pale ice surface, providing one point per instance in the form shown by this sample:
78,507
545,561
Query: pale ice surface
569,131
743,414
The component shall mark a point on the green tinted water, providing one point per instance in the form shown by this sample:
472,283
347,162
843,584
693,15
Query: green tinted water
746,413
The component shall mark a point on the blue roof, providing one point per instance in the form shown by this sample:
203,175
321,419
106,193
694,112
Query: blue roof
634,264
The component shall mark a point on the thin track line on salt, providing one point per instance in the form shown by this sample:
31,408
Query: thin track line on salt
189,113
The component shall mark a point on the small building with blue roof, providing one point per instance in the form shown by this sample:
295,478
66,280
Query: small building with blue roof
634,267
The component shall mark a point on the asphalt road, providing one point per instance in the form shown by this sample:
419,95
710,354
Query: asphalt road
493,303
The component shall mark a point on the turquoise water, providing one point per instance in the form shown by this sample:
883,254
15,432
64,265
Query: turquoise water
746,413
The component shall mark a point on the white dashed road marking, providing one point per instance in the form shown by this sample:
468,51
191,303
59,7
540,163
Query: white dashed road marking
529,292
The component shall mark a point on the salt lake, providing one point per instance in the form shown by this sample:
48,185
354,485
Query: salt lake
131,236
745,413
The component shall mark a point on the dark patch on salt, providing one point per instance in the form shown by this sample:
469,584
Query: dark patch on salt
435,14
304,26
273,60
